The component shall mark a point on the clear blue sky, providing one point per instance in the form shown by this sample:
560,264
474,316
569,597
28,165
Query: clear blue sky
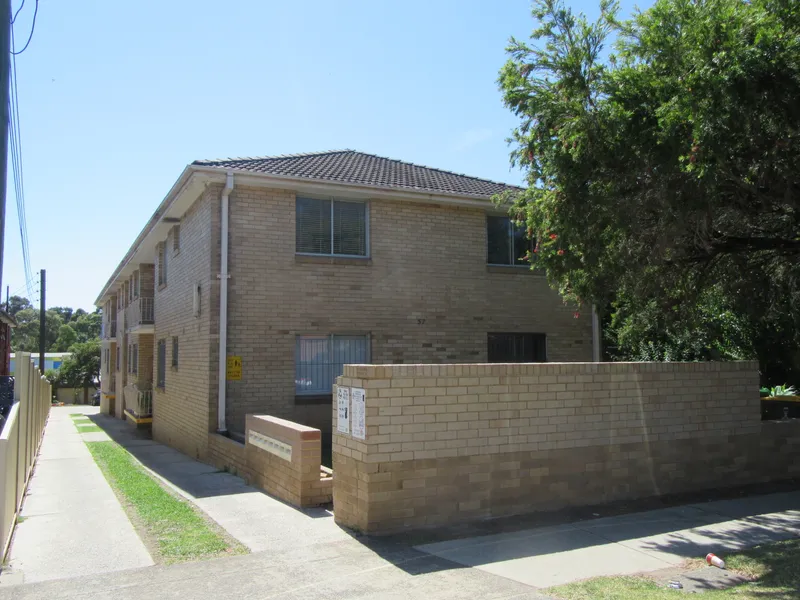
117,97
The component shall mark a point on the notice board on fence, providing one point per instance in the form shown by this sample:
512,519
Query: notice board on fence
343,409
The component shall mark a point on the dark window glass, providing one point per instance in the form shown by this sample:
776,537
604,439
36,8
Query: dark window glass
506,242
175,352
161,374
497,239
517,347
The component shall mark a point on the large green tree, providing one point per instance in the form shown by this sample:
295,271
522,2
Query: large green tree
82,369
63,327
664,178
25,336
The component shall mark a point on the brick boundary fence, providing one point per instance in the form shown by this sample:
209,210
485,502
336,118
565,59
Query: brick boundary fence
446,444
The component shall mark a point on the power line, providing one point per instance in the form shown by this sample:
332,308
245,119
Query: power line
16,160
18,11
25,288
33,27
32,283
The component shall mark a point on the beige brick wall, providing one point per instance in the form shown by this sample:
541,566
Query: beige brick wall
181,410
453,443
296,480
425,295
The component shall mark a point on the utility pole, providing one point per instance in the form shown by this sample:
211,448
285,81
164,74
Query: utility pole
42,314
5,85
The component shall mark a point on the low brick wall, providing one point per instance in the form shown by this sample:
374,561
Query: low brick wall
278,456
445,444
284,459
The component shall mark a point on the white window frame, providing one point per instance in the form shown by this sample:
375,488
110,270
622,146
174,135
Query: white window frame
333,199
321,336
510,242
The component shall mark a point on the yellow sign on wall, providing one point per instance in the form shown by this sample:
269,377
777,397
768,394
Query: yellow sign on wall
234,370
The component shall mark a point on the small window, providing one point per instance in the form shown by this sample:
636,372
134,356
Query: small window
331,227
162,264
506,243
136,284
176,239
133,356
517,347
161,374
119,352
175,352
320,359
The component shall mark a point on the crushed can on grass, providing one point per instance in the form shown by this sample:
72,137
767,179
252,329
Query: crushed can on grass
715,561
675,585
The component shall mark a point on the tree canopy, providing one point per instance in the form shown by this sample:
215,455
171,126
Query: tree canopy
64,327
664,176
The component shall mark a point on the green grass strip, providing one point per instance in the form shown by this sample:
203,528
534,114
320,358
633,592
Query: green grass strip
773,570
90,429
76,416
179,532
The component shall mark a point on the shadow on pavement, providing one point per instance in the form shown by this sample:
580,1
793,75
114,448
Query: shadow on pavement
193,477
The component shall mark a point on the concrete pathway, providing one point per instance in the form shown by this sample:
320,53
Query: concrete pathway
341,570
627,544
72,523
257,520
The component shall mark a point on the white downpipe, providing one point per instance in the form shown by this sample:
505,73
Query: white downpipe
223,308
596,335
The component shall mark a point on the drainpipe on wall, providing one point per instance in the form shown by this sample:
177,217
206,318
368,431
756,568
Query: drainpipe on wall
223,308
596,336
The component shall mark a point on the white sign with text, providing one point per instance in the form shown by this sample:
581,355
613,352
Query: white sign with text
343,409
359,409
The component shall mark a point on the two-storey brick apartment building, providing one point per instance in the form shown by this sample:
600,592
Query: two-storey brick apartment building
300,264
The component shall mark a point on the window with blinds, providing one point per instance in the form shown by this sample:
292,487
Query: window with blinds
517,347
332,227
506,243
320,359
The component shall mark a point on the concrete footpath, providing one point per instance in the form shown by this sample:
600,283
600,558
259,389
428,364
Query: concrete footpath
257,520
515,565
75,526
71,522
627,544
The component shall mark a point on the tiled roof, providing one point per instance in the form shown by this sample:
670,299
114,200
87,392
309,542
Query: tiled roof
349,166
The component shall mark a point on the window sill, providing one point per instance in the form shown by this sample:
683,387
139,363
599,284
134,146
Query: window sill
514,270
311,399
322,259
162,287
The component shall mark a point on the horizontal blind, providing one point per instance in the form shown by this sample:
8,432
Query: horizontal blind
349,228
313,226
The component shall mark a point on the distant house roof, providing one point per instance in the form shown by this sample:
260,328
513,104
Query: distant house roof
7,318
349,166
